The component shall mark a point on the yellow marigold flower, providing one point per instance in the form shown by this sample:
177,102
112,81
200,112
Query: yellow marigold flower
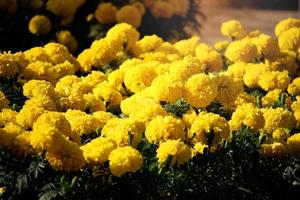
8,134
9,6
267,46
179,152
38,87
273,96
247,115
199,149
244,98
275,149
42,101
97,151
253,73
66,157
84,58
147,44
228,89
140,6
125,132
28,115
185,68
151,108
221,46
167,88
39,25
7,115
21,144
163,128
209,125
11,64
94,78
293,144
242,50
106,13
64,69
103,117
296,109
93,104
66,38
285,25
233,29
188,46
123,34
40,71
162,9
66,84
129,14
64,9
271,80
189,117
278,118
290,39
294,87
201,90
81,123
36,54
59,122
139,77
209,57
125,159
3,101
237,71
281,134
108,94
58,53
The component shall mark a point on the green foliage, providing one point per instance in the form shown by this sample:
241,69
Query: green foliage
178,108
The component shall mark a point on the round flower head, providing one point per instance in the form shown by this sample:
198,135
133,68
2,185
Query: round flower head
293,144
201,90
290,39
125,159
162,9
167,88
28,115
209,129
242,50
8,134
179,152
147,44
66,38
247,115
210,58
38,87
129,14
7,116
65,157
294,87
36,54
271,97
108,94
285,25
275,149
11,64
271,80
237,71
253,73
106,13
267,46
163,128
228,90
97,151
233,29
125,132
278,118
81,123
281,134
3,101
39,25
187,47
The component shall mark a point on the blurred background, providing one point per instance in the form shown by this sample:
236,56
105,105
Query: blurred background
253,14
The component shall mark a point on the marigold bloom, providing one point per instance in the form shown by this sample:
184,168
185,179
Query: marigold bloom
179,152
247,115
106,13
125,159
129,14
293,144
163,128
233,29
66,38
242,50
285,25
290,39
39,25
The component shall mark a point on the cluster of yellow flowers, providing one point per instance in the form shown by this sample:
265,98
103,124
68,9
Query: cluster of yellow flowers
63,107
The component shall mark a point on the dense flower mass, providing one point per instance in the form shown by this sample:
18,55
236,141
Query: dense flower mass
125,93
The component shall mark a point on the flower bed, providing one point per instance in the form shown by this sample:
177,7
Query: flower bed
149,119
